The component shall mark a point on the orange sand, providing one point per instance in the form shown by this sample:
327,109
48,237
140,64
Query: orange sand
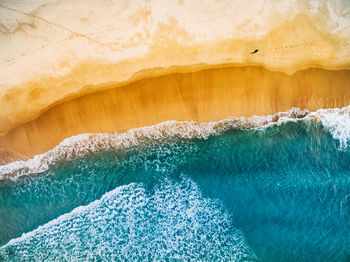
206,95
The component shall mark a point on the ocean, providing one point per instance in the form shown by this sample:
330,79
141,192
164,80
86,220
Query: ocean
273,188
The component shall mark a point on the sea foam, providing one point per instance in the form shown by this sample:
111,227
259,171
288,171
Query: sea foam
172,222
336,121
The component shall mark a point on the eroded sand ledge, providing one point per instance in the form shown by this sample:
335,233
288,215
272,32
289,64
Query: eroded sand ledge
206,95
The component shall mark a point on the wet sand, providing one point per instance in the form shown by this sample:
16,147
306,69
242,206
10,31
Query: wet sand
205,95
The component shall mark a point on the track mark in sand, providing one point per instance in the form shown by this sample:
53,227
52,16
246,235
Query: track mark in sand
59,26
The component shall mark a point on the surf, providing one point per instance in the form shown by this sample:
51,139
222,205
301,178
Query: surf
278,184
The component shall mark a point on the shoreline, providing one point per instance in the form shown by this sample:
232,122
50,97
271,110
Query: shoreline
77,146
203,96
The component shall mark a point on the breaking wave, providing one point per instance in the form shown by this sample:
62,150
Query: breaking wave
174,221
84,143
335,120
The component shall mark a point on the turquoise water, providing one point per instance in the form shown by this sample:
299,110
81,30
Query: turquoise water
275,194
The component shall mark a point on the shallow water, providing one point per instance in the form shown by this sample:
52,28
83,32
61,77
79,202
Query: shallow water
280,193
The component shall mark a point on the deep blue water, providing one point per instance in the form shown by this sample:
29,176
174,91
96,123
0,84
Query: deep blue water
278,194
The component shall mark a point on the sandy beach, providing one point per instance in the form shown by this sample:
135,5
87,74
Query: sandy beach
95,71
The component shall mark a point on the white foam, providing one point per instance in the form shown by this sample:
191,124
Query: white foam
337,122
172,221
81,144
